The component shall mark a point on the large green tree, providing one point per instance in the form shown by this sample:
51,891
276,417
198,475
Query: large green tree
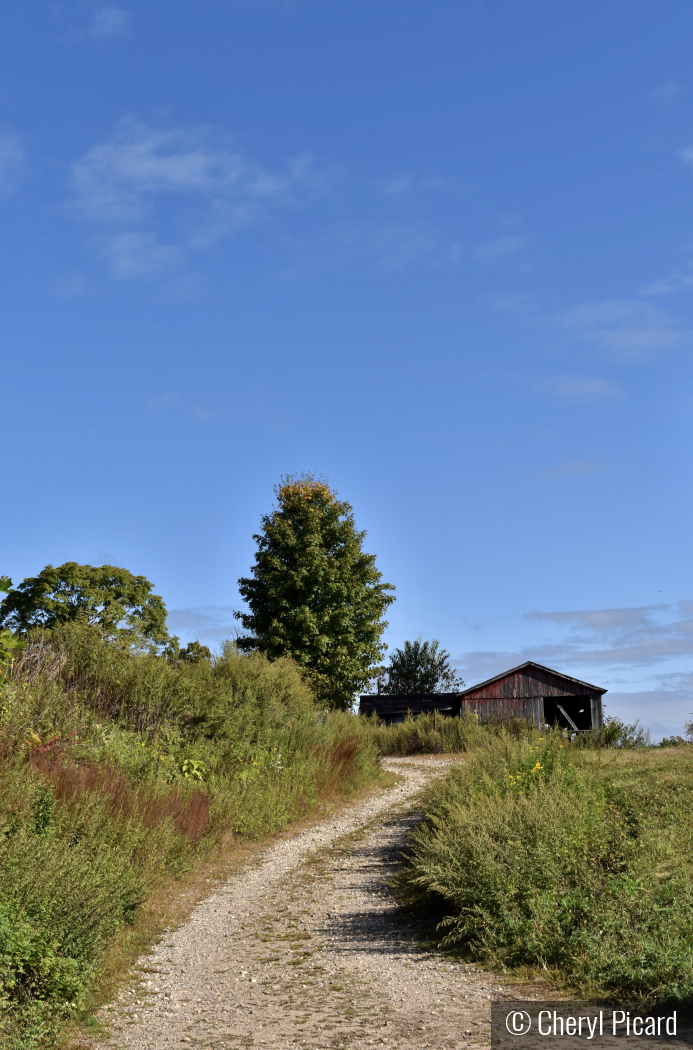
314,594
420,667
121,605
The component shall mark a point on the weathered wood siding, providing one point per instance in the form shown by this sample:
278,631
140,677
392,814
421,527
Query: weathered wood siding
529,682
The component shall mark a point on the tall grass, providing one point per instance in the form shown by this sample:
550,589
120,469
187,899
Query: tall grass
118,772
537,854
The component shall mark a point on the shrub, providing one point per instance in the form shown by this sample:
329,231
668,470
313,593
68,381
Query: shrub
534,855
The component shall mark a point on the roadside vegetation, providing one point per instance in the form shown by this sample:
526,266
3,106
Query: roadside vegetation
542,857
122,771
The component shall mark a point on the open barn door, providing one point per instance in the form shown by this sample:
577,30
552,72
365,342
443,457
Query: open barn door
570,712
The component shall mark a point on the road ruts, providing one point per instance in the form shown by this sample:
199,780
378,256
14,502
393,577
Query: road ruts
305,949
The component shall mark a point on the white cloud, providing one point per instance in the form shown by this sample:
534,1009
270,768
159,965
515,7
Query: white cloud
110,22
207,623
130,181
499,248
133,254
11,160
626,327
584,388
119,180
679,280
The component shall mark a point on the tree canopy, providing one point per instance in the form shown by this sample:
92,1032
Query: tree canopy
420,667
8,642
314,594
119,604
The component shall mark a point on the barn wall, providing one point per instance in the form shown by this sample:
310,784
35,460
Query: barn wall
531,708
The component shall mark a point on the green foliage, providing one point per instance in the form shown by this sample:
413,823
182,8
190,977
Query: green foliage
426,734
194,652
314,595
119,604
8,643
119,772
672,741
536,854
43,813
617,734
420,667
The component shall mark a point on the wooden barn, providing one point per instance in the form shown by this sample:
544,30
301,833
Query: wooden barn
529,691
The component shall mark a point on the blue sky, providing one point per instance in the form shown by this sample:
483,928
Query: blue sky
440,253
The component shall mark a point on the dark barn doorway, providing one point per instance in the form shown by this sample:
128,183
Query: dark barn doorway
569,712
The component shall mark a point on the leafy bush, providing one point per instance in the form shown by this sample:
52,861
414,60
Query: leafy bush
615,733
536,855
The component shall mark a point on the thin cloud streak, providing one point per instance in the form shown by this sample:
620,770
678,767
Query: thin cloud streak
573,468
128,183
110,22
613,640
584,388
627,328
499,249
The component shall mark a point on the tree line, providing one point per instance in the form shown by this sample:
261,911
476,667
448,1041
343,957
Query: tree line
313,594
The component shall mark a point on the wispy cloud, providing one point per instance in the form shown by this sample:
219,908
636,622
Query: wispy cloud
625,327
207,623
667,94
134,254
386,245
612,645
127,184
397,187
499,248
638,635
110,22
394,245
679,280
584,388
402,185
11,160
572,468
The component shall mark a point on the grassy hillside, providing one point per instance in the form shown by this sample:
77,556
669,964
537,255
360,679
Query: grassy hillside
537,856
119,773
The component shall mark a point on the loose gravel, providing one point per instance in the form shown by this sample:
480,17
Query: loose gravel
306,949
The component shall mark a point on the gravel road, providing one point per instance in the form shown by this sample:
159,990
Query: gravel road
305,949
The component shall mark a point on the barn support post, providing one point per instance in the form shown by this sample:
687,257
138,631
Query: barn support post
596,712
538,712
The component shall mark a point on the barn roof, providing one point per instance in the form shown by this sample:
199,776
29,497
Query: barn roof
586,687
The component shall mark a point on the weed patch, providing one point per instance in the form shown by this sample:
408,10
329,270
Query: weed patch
575,863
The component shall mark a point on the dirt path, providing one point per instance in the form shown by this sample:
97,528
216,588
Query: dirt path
305,950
